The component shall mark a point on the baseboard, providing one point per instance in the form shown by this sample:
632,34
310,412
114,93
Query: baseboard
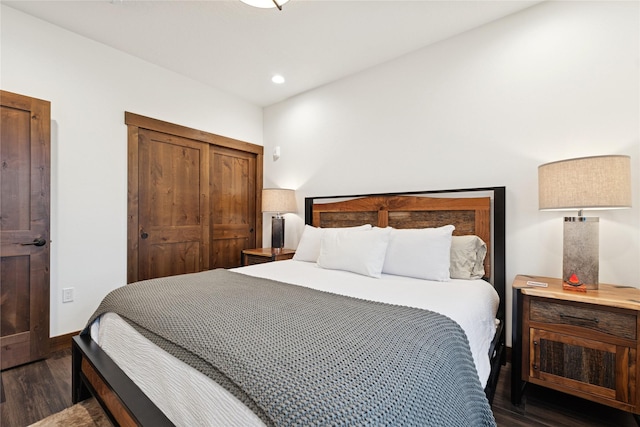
61,342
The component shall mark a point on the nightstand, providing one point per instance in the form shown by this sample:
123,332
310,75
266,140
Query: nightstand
581,343
262,255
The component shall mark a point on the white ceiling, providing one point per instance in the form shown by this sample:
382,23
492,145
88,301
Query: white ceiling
237,48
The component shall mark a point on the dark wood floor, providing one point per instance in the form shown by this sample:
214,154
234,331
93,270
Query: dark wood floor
544,407
32,392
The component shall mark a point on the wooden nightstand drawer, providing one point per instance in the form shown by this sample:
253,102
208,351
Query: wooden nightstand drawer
581,364
255,259
263,255
609,322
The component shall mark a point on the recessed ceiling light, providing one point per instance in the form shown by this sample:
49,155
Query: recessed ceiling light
277,79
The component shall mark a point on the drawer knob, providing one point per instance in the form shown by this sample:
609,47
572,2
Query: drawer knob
586,319
535,343
535,367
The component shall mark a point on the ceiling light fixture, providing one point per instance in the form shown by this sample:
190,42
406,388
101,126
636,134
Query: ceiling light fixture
265,4
277,79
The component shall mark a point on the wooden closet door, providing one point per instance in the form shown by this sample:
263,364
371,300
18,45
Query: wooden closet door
173,197
233,205
193,201
24,228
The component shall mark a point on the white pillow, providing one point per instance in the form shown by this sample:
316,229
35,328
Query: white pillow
421,253
309,246
467,257
357,251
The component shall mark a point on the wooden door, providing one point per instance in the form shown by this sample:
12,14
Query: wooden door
173,182
24,228
233,205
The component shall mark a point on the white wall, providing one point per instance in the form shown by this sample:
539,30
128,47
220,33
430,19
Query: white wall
90,86
485,108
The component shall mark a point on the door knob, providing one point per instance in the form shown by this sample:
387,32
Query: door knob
36,242
144,235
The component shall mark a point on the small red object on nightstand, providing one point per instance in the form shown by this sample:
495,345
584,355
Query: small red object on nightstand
573,283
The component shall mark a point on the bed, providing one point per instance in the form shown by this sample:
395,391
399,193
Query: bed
112,362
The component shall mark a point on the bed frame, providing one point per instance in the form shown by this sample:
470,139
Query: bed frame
479,211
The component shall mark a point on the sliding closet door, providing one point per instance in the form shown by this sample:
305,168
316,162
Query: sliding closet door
233,205
193,201
173,221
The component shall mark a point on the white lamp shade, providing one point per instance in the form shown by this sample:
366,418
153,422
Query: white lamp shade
278,200
600,182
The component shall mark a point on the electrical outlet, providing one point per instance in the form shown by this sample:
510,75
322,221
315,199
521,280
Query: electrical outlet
67,294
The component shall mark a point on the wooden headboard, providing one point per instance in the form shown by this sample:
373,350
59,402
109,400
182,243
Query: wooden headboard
469,215
483,216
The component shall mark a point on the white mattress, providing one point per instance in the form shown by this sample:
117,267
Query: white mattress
191,399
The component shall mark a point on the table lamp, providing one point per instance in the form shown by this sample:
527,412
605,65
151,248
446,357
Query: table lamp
599,182
279,201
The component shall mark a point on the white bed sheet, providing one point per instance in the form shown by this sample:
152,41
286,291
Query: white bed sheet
190,398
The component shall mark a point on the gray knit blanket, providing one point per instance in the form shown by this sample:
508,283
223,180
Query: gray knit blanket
297,356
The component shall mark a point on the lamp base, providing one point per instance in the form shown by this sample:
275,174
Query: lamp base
580,265
277,232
